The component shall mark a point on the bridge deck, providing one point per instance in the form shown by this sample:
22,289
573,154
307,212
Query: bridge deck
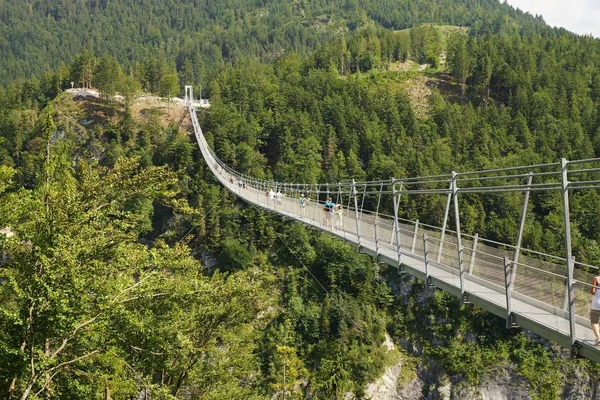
539,311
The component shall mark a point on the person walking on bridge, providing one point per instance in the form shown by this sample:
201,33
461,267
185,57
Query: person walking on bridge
339,217
271,195
595,309
329,205
302,205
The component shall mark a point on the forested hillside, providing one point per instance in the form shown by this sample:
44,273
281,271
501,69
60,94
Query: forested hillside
204,35
127,271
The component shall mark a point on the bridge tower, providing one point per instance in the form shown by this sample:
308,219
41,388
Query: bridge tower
189,94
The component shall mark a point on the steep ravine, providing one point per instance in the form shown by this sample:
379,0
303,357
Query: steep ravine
418,376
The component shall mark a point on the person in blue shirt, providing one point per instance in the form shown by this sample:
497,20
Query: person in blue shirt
302,205
329,206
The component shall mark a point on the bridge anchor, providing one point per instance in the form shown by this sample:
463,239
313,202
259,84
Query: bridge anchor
510,322
429,282
401,270
575,351
465,299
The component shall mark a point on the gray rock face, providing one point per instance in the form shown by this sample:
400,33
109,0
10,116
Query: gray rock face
386,387
412,390
208,260
579,385
503,386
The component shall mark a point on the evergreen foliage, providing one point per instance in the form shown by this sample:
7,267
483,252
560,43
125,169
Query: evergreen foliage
202,35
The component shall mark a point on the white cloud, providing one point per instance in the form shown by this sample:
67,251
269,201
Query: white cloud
579,16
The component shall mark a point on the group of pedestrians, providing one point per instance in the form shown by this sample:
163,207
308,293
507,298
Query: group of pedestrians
332,209
275,199
241,184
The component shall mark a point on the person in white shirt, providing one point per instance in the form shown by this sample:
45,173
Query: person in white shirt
271,197
339,217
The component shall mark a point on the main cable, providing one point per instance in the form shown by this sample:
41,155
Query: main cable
204,216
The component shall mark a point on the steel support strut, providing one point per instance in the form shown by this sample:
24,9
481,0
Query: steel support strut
521,229
445,222
376,223
566,300
473,253
565,195
508,292
415,234
356,214
189,96
340,200
458,238
426,258
396,199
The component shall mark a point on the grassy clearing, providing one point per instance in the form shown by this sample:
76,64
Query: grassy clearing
445,31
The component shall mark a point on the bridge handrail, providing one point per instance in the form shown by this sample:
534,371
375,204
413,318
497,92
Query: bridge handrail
446,179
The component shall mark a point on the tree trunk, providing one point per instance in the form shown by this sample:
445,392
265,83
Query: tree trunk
27,390
106,390
13,382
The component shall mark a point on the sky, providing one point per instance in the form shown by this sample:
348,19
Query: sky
579,16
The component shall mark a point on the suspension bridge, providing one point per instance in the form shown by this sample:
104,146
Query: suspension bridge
543,293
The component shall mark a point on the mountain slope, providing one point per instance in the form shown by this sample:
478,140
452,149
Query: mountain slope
36,35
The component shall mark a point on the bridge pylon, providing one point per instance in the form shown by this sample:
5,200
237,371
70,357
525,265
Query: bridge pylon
189,94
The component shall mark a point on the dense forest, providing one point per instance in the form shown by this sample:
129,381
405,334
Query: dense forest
202,36
130,273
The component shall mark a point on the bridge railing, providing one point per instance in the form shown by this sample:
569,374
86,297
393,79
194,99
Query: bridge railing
539,280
